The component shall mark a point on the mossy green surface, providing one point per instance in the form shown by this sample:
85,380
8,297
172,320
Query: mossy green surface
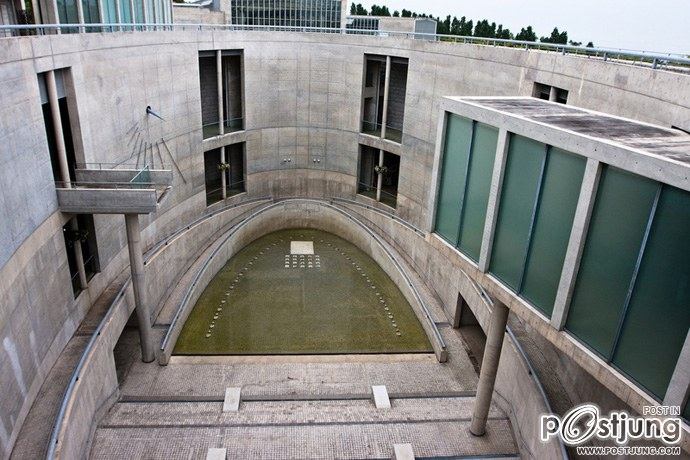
266,301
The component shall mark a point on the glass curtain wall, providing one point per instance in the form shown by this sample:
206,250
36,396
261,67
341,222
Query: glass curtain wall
287,13
632,296
541,187
465,180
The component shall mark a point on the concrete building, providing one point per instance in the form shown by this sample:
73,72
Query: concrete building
392,24
540,244
266,13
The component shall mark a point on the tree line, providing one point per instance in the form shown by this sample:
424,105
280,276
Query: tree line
468,28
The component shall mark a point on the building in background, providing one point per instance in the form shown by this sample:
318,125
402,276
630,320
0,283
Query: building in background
391,24
288,13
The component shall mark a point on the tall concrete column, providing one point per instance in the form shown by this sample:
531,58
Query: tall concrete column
118,14
343,16
51,88
487,376
136,265
221,121
379,179
386,88
553,94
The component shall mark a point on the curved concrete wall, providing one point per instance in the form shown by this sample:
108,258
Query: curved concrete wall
302,100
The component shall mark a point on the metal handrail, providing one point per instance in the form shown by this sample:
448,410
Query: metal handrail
381,211
74,378
656,59
188,293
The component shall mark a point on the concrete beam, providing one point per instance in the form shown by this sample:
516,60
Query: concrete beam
494,199
576,244
106,201
403,452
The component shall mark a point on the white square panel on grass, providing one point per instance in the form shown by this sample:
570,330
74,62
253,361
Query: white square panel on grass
301,247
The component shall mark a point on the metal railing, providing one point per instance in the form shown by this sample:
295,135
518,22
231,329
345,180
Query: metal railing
655,60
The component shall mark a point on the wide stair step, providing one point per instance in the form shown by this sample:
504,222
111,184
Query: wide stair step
436,427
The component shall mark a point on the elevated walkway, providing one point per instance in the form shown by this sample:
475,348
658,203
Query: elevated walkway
114,191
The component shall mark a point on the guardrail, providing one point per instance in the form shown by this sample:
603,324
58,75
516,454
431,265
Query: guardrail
655,60
173,329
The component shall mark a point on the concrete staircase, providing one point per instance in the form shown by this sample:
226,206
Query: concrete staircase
299,407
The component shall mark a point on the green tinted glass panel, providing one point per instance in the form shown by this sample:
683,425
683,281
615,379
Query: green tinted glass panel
109,9
520,185
658,316
477,193
618,224
67,11
553,223
139,11
453,174
125,11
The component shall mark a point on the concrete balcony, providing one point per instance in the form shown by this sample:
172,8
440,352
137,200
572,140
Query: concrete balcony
114,191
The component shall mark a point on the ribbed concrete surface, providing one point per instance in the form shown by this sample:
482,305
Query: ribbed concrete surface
317,437
296,380
180,414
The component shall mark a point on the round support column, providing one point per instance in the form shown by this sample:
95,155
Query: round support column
487,375
136,264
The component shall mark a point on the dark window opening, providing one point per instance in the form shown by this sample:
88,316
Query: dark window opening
80,231
232,170
550,93
378,175
374,93
233,89
472,333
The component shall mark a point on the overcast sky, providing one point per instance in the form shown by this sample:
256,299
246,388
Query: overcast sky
652,25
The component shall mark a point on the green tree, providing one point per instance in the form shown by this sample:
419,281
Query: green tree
396,14
406,13
526,34
560,38
353,9
466,27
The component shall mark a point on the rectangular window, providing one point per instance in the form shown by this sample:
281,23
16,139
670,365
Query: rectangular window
521,184
456,151
397,90
550,93
80,240
374,95
553,223
378,175
658,315
479,174
232,170
233,92
618,224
